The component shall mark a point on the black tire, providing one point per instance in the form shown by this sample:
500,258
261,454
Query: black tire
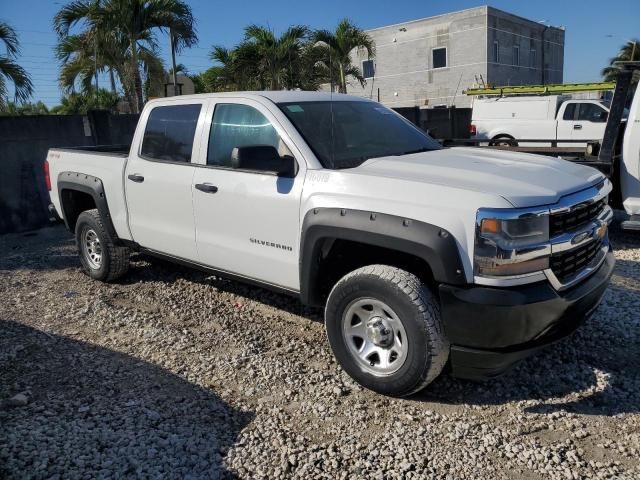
503,140
114,261
427,349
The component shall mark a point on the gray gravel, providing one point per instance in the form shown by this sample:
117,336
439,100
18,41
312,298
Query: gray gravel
174,373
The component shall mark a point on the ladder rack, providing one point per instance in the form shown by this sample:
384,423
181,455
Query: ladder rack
557,88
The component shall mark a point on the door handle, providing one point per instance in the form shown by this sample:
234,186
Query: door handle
206,187
577,127
136,178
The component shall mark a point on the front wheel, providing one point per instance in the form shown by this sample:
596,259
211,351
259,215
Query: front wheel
385,330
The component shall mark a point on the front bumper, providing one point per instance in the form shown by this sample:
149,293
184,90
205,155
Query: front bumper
490,328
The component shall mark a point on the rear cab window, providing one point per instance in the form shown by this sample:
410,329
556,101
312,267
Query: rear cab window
169,133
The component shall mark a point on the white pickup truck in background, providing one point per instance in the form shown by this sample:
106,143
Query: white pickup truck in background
421,256
501,119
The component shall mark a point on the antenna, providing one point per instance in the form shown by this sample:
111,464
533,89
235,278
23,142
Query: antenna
333,144
95,60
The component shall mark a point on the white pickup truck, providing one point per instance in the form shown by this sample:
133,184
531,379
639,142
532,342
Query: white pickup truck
422,256
505,120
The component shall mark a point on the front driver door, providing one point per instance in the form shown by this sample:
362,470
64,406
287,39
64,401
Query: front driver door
247,222
591,119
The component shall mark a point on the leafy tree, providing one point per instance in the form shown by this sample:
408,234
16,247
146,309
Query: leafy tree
337,48
211,80
630,51
10,71
15,109
127,28
80,103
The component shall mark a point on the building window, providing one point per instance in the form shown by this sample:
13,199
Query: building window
439,57
516,55
368,69
534,58
496,52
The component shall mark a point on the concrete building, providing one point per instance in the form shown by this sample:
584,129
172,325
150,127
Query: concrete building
430,61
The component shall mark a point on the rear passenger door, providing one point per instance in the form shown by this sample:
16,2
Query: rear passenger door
247,221
158,179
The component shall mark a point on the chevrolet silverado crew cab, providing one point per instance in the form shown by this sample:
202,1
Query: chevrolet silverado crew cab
422,257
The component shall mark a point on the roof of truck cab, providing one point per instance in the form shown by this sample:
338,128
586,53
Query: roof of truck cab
279,96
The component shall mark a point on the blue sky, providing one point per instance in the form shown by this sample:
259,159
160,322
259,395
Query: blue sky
594,29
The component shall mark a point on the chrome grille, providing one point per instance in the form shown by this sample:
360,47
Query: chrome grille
566,264
577,217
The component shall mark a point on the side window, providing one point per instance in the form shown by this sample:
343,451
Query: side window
236,125
169,133
591,112
569,111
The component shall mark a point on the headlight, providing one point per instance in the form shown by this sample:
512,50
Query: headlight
511,242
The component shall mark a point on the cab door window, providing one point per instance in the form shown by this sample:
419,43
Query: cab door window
590,112
238,125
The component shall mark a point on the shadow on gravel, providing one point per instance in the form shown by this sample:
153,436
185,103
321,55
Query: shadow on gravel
95,412
50,248
592,372
156,269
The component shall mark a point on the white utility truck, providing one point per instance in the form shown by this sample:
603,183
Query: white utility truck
421,256
507,117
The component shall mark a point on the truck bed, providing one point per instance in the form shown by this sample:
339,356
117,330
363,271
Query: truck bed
104,162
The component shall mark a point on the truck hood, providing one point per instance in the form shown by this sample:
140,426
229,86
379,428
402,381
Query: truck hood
524,180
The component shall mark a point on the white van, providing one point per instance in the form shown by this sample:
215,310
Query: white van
538,117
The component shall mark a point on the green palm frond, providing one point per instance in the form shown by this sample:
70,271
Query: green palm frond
10,71
23,87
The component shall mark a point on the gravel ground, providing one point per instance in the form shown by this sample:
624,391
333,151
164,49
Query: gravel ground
174,373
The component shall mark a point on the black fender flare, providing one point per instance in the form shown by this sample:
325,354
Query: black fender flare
435,245
92,186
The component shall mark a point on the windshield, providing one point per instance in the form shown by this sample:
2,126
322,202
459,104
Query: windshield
361,130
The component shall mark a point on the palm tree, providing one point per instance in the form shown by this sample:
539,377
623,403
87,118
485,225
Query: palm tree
238,68
132,25
279,57
263,60
630,51
338,47
10,70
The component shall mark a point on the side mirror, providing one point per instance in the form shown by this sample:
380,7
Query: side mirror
263,158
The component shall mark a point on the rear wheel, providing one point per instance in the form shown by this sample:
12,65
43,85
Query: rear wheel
385,330
503,141
100,257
